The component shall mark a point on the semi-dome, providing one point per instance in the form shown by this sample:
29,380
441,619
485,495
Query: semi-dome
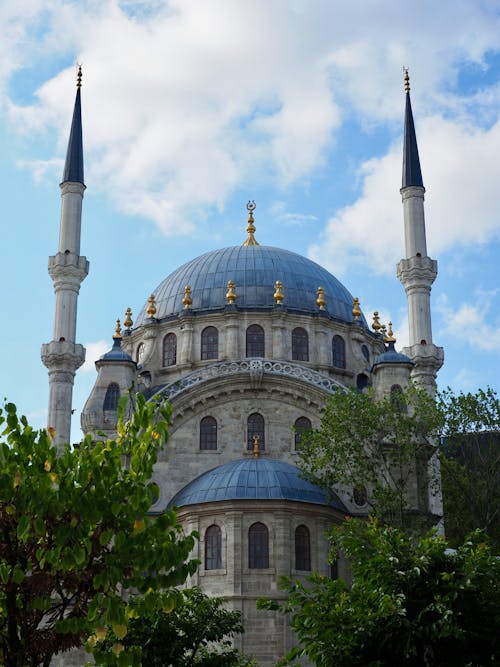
254,270
253,479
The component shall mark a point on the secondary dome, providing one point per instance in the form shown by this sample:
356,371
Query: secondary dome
254,270
253,479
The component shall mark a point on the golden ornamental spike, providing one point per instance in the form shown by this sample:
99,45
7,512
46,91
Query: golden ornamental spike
128,322
118,331
407,80
383,331
278,295
376,322
231,294
79,77
251,206
390,338
321,301
151,311
356,310
256,448
187,300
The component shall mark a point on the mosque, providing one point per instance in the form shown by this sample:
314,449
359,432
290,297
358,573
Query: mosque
247,342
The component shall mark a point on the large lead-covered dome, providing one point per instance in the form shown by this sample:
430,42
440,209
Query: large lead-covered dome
254,270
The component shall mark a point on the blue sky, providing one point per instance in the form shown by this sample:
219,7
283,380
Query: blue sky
193,107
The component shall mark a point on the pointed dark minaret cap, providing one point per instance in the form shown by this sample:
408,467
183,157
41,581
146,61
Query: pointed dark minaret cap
412,174
73,168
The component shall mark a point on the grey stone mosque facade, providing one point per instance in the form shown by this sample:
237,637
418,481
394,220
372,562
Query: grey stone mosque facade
247,343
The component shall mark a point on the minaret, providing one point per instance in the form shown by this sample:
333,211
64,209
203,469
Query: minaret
68,269
418,271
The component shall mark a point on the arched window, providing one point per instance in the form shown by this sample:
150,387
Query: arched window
209,343
300,345
365,352
302,424
397,398
112,396
338,352
361,382
255,426
170,350
213,548
139,353
208,433
258,546
255,341
302,548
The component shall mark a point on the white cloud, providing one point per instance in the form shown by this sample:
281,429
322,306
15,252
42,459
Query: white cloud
470,324
93,352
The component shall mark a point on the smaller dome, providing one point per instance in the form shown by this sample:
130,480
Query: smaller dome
253,479
390,356
116,353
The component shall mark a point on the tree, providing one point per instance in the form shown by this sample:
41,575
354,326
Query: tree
75,536
470,464
197,632
412,602
374,447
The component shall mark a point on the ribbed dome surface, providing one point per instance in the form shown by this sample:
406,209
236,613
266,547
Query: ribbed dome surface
253,479
254,269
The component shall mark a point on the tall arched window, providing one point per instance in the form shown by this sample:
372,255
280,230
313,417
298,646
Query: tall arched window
255,341
112,396
209,343
302,424
302,548
300,345
139,353
258,546
213,548
255,426
208,433
170,350
338,352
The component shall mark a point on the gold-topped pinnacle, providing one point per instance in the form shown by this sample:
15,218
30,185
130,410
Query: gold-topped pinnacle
187,300
128,322
390,338
118,330
383,331
256,448
151,311
251,206
278,295
407,80
376,322
79,77
321,300
356,310
231,294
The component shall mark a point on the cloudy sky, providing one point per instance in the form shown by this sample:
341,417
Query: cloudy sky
193,107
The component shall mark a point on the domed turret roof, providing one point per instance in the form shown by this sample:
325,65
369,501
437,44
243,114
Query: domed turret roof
253,479
254,270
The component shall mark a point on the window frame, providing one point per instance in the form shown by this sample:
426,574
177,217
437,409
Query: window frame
111,398
256,429
213,548
258,546
255,339
208,434
209,343
171,360
300,344
302,542
338,352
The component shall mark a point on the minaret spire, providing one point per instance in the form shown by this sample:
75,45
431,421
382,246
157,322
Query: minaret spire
62,356
418,271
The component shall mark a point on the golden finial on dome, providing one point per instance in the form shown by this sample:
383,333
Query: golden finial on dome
118,330
321,301
278,295
231,294
376,322
256,448
356,310
407,80
79,77
128,322
187,300
251,206
151,311
383,331
390,338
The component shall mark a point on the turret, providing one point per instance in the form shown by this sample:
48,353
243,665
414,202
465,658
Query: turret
418,271
62,356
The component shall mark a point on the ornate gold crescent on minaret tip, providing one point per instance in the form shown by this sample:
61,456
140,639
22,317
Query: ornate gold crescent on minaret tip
376,322
151,311
251,206
407,80
256,448
390,338
79,77
356,310
231,293
278,295
128,322
118,330
187,300
321,301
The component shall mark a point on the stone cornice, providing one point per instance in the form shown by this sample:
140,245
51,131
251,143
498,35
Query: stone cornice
68,270
63,356
416,272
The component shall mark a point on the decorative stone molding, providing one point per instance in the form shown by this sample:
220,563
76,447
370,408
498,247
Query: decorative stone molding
68,270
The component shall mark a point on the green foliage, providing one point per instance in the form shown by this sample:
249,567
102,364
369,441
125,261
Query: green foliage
470,464
376,445
191,630
75,535
412,602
